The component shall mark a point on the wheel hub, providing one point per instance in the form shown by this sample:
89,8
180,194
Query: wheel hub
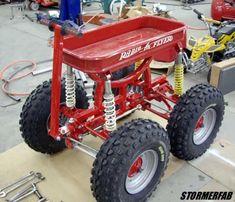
115,6
142,171
200,123
204,126
136,167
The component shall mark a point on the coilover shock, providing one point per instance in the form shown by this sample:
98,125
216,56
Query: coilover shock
70,91
109,107
179,75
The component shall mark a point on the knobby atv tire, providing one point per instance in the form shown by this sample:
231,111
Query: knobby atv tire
119,74
35,115
185,115
117,154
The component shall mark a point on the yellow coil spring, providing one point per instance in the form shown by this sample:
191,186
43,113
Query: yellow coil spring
110,113
138,63
179,79
70,91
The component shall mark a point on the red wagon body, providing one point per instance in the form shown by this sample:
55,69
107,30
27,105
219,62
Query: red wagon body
111,47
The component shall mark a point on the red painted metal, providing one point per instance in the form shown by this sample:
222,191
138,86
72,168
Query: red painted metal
98,56
123,43
135,168
200,123
46,3
220,10
56,79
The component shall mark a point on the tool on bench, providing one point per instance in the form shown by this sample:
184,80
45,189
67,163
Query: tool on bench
27,191
20,182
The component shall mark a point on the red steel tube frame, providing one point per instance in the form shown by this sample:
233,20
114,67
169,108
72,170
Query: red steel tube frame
56,83
88,120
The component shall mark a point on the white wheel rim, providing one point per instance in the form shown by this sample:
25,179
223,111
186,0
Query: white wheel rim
201,134
114,5
142,178
34,6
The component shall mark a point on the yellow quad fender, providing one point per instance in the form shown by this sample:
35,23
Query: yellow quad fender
204,44
226,38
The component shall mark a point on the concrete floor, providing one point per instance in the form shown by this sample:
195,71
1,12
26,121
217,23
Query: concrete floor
21,39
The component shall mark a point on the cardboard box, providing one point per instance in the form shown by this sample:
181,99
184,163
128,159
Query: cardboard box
136,11
223,75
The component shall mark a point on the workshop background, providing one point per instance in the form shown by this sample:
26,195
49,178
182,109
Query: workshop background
68,173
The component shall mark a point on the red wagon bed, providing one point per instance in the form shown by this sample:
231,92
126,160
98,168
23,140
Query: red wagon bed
111,47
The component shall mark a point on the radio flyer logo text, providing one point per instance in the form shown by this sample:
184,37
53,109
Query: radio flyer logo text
146,47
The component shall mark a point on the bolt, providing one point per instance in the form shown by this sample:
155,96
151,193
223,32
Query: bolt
140,170
71,120
80,126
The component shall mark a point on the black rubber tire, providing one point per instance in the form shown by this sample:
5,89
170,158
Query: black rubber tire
35,113
117,154
121,74
184,117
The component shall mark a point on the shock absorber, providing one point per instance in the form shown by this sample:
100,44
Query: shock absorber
109,107
138,63
179,75
70,92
